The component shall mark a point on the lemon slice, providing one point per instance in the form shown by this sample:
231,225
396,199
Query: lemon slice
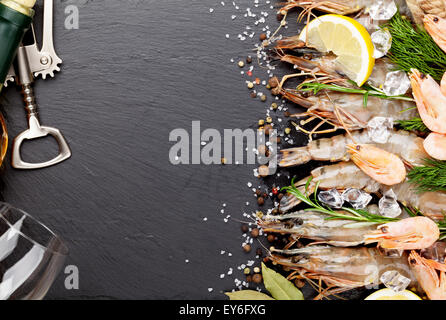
389,294
347,39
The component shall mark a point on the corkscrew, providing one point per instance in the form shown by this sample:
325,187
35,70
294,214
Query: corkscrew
32,62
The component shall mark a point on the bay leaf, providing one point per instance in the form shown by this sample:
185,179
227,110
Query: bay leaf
247,295
278,286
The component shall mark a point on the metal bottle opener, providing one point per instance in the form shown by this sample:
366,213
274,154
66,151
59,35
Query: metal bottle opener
32,62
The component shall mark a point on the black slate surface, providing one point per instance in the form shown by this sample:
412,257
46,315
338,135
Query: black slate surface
134,71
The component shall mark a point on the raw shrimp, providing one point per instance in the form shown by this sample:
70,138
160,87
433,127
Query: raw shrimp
408,234
407,145
315,226
436,26
326,65
385,167
430,275
435,145
345,175
420,8
353,113
430,100
330,6
340,268
431,103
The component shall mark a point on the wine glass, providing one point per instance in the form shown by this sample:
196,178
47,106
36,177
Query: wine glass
31,255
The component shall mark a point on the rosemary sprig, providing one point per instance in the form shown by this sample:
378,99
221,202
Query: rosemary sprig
344,213
415,124
366,90
415,48
430,177
442,227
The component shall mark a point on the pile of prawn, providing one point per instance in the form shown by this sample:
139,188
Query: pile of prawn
338,256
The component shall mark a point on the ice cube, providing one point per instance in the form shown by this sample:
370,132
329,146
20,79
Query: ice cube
373,209
397,83
357,198
331,198
379,128
382,9
436,252
388,205
394,280
391,253
382,40
368,23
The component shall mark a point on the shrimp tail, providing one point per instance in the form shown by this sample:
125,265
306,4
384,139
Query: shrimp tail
293,157
293,42
289,201
293,96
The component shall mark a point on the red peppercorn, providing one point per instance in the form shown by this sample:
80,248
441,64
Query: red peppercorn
275,191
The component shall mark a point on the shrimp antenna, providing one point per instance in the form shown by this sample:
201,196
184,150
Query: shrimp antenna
264,247
338,115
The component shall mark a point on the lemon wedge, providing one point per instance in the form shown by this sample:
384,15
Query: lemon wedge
388,294
347,39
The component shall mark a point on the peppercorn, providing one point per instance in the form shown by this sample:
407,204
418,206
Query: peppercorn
248,59
262,149
274,106
268,129
256,270
259,252
271,238
275,91
262,36
247,271
265,195
258,192
257,278
269,119
273,82
260,201
241,64
300,283
247,248
245,228
268,87
255,233
261,122
275,191
250,85
263,98
257,80
263,171
249,278
259,214
287,114
253,95
287,130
